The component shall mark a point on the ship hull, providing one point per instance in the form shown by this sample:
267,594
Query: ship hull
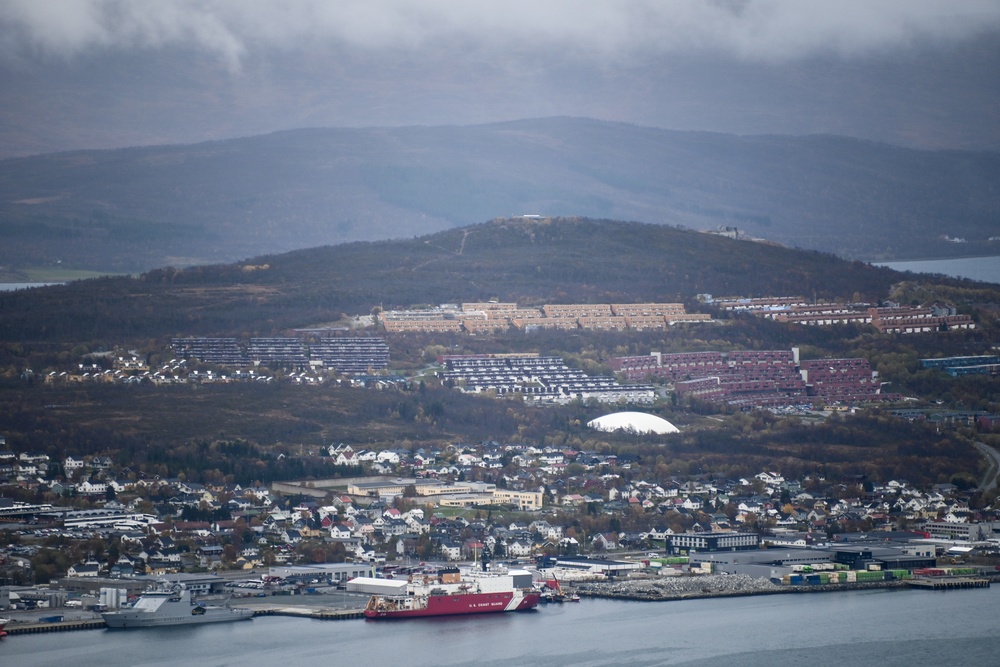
167,604
119,620
450,605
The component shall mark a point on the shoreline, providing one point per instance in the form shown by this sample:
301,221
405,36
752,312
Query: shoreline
878,262
640,590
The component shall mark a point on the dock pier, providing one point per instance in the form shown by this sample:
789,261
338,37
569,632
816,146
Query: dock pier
57,626
947,583
316,613
322,613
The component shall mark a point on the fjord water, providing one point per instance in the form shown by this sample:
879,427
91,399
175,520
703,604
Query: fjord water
986,269
10,287
875,627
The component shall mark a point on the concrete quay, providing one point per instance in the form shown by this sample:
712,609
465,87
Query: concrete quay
948,583
331,609
318,613
58,626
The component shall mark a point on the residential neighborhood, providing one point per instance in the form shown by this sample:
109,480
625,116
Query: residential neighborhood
545,502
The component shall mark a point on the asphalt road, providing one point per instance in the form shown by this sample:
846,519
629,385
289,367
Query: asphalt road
989,481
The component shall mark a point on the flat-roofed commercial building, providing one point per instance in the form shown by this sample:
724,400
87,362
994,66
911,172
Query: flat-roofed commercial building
423,487
686,543
525,500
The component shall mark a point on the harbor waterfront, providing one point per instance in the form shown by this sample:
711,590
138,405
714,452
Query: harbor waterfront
900,626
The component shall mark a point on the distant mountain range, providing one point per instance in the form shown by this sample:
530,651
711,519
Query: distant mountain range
138,208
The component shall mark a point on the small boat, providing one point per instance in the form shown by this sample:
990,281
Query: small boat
3,624
552,591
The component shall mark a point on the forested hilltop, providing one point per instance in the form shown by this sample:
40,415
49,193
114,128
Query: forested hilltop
529,261
138,208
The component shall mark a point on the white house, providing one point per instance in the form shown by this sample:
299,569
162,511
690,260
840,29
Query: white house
388,456
88,488
451,551
89,569
70,465
518,549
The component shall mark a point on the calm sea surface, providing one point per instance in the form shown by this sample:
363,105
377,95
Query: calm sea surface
9,287
986,269
878,627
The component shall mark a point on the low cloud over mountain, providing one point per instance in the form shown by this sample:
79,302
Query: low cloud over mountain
108,73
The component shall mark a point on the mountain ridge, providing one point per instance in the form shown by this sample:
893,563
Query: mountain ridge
529,261
137,208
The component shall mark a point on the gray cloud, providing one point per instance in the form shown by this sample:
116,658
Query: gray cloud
754,30
108,73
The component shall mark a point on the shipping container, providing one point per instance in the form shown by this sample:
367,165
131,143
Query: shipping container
929,572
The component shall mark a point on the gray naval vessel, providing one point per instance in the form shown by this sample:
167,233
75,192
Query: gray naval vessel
171,604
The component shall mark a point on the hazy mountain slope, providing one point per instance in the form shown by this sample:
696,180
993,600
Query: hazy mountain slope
220,201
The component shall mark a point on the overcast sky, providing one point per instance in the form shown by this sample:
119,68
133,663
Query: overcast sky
753,29
101,73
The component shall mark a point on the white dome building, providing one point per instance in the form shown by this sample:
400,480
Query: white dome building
633,422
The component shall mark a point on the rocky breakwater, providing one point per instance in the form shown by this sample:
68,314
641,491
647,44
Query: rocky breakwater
710,586
681,588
